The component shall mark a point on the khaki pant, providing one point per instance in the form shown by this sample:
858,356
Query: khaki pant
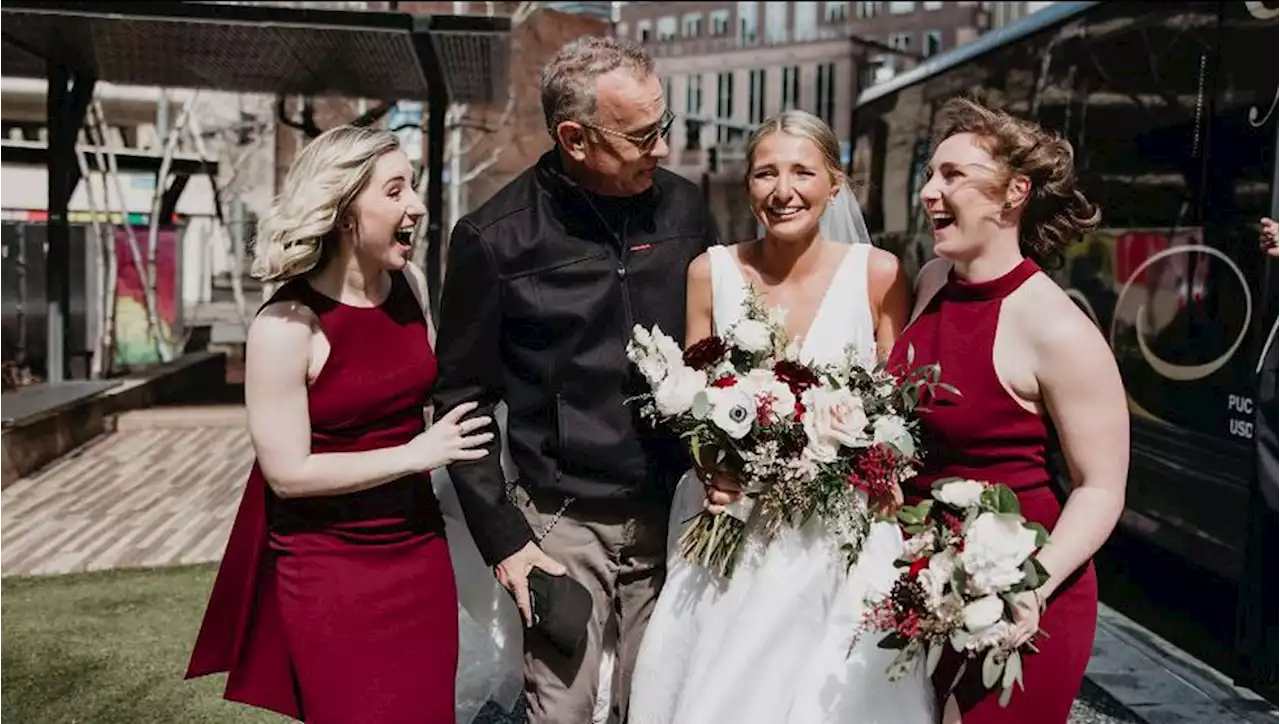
617,549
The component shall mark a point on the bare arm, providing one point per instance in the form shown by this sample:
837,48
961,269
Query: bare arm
1082,390
698,324
890,294
276,357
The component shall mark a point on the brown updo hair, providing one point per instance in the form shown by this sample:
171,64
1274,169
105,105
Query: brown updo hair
1057,213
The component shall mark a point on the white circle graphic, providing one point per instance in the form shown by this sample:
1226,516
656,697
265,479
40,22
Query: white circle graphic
1169,370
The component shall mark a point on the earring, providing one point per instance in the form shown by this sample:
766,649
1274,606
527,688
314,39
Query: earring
1007,206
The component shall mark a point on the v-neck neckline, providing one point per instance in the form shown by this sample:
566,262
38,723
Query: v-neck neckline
822,304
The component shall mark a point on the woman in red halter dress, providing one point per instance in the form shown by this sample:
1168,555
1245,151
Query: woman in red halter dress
1001,193
336,601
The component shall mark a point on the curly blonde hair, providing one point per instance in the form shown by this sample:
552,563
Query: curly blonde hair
298,233
1057,213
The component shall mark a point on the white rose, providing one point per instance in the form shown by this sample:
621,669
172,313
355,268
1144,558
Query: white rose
833,417
995,548
732,411
676,393
670,350
982,613
960,493
767,389
751,335
935,578
892,430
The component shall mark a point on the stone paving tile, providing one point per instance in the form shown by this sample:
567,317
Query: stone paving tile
142,497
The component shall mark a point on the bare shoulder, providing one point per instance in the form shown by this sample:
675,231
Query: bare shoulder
700,269
1054,325
281,327
882,267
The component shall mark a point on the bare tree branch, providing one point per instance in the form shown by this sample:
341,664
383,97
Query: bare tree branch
481,167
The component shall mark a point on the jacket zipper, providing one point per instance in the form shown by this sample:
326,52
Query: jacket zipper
621,271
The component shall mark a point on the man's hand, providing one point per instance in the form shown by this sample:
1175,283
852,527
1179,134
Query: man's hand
513,574
1269,240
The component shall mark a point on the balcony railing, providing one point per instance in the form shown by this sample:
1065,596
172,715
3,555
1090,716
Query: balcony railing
678,47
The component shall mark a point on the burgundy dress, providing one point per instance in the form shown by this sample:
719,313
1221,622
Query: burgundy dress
986,435
343,608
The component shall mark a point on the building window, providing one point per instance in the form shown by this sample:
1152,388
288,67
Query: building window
694,95
932,5
691,25
644,31
902,8
932,42
720,23
900,41
868,9
666,28
747,22
790,88
724,103
826,92
755,99
775,22
806,21
837,12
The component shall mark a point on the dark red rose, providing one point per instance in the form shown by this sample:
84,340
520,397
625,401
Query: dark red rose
705,353
795,375
725,381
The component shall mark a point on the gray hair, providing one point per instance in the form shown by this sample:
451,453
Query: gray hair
569,80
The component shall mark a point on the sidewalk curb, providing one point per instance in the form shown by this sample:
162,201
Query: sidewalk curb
1159,683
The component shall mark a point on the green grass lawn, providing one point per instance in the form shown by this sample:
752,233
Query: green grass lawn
109,647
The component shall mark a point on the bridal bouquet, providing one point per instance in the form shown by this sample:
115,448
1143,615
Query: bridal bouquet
968,554
802,438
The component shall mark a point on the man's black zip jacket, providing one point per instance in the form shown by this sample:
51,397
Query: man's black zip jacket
543,286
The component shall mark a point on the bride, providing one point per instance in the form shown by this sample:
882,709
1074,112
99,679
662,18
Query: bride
773,643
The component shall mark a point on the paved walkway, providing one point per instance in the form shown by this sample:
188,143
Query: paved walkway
160,491
164,488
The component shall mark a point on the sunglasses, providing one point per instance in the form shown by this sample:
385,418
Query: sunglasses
645,141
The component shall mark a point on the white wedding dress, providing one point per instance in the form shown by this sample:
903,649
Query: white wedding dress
772,645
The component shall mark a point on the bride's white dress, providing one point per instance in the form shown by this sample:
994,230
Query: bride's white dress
772,646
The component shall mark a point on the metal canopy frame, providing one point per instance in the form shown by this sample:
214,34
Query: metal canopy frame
250,49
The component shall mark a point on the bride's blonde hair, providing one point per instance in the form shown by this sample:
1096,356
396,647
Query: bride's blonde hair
299,230
801,124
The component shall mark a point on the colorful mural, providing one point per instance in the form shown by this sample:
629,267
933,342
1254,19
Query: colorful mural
134,345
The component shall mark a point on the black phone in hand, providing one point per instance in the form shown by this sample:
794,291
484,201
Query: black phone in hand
561,610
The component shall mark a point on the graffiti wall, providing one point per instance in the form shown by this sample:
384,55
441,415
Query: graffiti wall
134,345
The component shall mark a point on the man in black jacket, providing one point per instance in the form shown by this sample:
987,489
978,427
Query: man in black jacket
544,284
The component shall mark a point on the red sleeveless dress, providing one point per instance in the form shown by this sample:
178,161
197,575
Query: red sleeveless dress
343,608
986,435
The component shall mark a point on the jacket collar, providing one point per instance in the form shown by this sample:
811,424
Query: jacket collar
553,179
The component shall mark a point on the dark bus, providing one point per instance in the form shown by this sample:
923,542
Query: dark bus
1171,109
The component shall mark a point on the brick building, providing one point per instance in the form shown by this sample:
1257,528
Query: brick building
727,66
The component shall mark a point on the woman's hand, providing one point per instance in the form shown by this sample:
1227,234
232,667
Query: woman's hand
1026,617
449,440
